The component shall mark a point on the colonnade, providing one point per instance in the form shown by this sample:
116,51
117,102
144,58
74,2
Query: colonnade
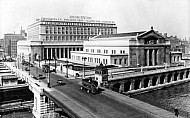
151,56
51,53
150,80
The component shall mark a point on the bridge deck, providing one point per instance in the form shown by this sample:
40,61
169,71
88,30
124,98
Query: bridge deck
71,108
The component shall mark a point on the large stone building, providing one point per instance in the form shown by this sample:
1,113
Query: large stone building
49,37
10,43
145,48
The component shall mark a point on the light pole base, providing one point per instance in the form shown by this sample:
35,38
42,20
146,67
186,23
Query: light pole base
48,85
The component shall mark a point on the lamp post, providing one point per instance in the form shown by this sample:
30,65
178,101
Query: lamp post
22,62
18,57
15,60
48,81
39,60
84,58
29,63
67,68
55,62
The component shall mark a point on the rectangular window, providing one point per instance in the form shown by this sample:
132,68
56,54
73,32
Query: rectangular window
98,51
115,61
126,62
121,51
92,50
120,61
114,51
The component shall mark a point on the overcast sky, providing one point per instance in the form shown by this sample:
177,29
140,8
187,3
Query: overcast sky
166,16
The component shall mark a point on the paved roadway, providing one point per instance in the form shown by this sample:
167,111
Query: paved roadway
99,104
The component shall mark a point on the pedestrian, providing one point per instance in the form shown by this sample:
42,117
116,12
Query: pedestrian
176,111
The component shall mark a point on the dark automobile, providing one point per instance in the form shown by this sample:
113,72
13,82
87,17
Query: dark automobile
60,82
31,65
34,77
27,69
40,76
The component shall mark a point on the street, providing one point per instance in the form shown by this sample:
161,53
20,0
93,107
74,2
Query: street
99,104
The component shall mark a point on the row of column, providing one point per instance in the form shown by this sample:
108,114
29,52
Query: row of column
158,81
51,53
151,56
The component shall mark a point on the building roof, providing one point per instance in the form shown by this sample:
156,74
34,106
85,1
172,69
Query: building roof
120,34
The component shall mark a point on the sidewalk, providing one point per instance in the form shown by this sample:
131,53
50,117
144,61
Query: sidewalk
145,107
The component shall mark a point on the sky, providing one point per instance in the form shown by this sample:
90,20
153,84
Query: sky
166,16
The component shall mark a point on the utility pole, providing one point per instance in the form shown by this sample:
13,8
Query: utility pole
67,68
48,84
15,60
29,62
22,62
84,58
39,60
18,60
55,62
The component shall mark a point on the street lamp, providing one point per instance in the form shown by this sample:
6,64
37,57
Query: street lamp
67,68
55,62
22,62
48,81
18,57
39,60
84,58
15,60
29,63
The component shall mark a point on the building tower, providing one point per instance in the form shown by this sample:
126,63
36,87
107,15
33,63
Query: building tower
101,75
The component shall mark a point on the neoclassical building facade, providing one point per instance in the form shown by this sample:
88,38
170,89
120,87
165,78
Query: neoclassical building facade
48,38
144,48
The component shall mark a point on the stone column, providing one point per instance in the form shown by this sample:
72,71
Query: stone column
132,86
68,52
184,75
157,56
172,77
165,79
158,80
47,56
141,84
59,52
153,57
147,57
121,88
150,82
63,53
51,54
189,74
178,76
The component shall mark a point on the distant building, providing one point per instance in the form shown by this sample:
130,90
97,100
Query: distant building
10,43
48,38
145,48
1,43
176,44
1,54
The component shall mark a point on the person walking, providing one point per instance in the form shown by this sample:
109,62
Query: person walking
176,111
